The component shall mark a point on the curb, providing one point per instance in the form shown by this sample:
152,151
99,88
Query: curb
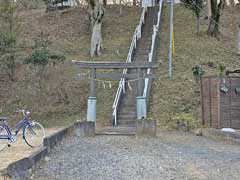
51,141
233,137
19,168
3,172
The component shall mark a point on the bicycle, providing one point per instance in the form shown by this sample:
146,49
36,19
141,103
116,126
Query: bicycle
33,132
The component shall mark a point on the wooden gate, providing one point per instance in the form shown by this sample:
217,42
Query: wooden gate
220,99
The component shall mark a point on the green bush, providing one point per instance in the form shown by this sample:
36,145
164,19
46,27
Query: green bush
41,55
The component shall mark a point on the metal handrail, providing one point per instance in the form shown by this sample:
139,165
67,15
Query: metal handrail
150,56
121,87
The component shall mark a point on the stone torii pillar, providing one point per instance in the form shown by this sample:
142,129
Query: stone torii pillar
92,99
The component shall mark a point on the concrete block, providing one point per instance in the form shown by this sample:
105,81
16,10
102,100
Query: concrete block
17,170
52,140
91,110
146,128
141,107
38,156
85,129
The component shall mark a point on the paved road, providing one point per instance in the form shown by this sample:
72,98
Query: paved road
170,156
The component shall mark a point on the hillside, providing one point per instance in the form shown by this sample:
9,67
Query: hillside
59,98
179,99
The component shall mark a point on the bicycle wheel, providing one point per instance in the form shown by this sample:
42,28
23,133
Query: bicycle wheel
3,142
34,134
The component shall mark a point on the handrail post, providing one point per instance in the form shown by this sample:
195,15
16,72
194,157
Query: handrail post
170,41
124,88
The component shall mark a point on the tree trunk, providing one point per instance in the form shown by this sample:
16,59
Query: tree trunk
209,11
96,15
96,42
213,29
120,9
216,10
238,40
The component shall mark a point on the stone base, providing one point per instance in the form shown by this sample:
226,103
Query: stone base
85,129
91,110
146,128
141,107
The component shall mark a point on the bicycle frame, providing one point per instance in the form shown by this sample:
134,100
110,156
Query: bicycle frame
20,125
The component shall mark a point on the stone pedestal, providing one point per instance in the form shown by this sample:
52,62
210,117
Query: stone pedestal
141,107
91,109
85,129
146,128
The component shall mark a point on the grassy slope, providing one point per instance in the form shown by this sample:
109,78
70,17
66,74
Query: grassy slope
180,97
63,99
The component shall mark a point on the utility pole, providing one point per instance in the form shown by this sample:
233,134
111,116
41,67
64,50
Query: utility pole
170,41
238,46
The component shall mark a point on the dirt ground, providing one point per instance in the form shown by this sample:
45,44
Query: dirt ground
19,150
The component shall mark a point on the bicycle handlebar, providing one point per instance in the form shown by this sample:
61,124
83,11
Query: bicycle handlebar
25,113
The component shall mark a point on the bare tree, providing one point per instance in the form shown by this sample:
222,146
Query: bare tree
96,14
195,6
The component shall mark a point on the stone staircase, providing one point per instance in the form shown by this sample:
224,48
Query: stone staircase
127,112
127,107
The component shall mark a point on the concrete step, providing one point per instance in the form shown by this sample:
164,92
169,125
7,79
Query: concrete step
127,123
126,111
127,108
141,56
142,50
117,130
127,102
127,116
130,113
144,44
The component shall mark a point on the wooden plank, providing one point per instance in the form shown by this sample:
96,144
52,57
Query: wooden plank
114,65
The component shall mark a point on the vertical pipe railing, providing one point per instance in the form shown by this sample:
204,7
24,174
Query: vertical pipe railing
150,56
170,41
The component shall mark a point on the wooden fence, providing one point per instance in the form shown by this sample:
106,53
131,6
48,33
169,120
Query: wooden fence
220,100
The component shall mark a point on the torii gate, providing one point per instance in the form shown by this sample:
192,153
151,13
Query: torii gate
93,66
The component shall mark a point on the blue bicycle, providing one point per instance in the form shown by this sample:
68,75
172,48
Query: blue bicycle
33,132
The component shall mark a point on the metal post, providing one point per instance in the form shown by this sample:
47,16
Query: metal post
170,41
238,46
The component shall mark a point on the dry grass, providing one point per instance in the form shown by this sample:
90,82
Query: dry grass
175,98
62,99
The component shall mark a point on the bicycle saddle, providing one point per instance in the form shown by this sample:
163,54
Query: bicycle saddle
3,118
